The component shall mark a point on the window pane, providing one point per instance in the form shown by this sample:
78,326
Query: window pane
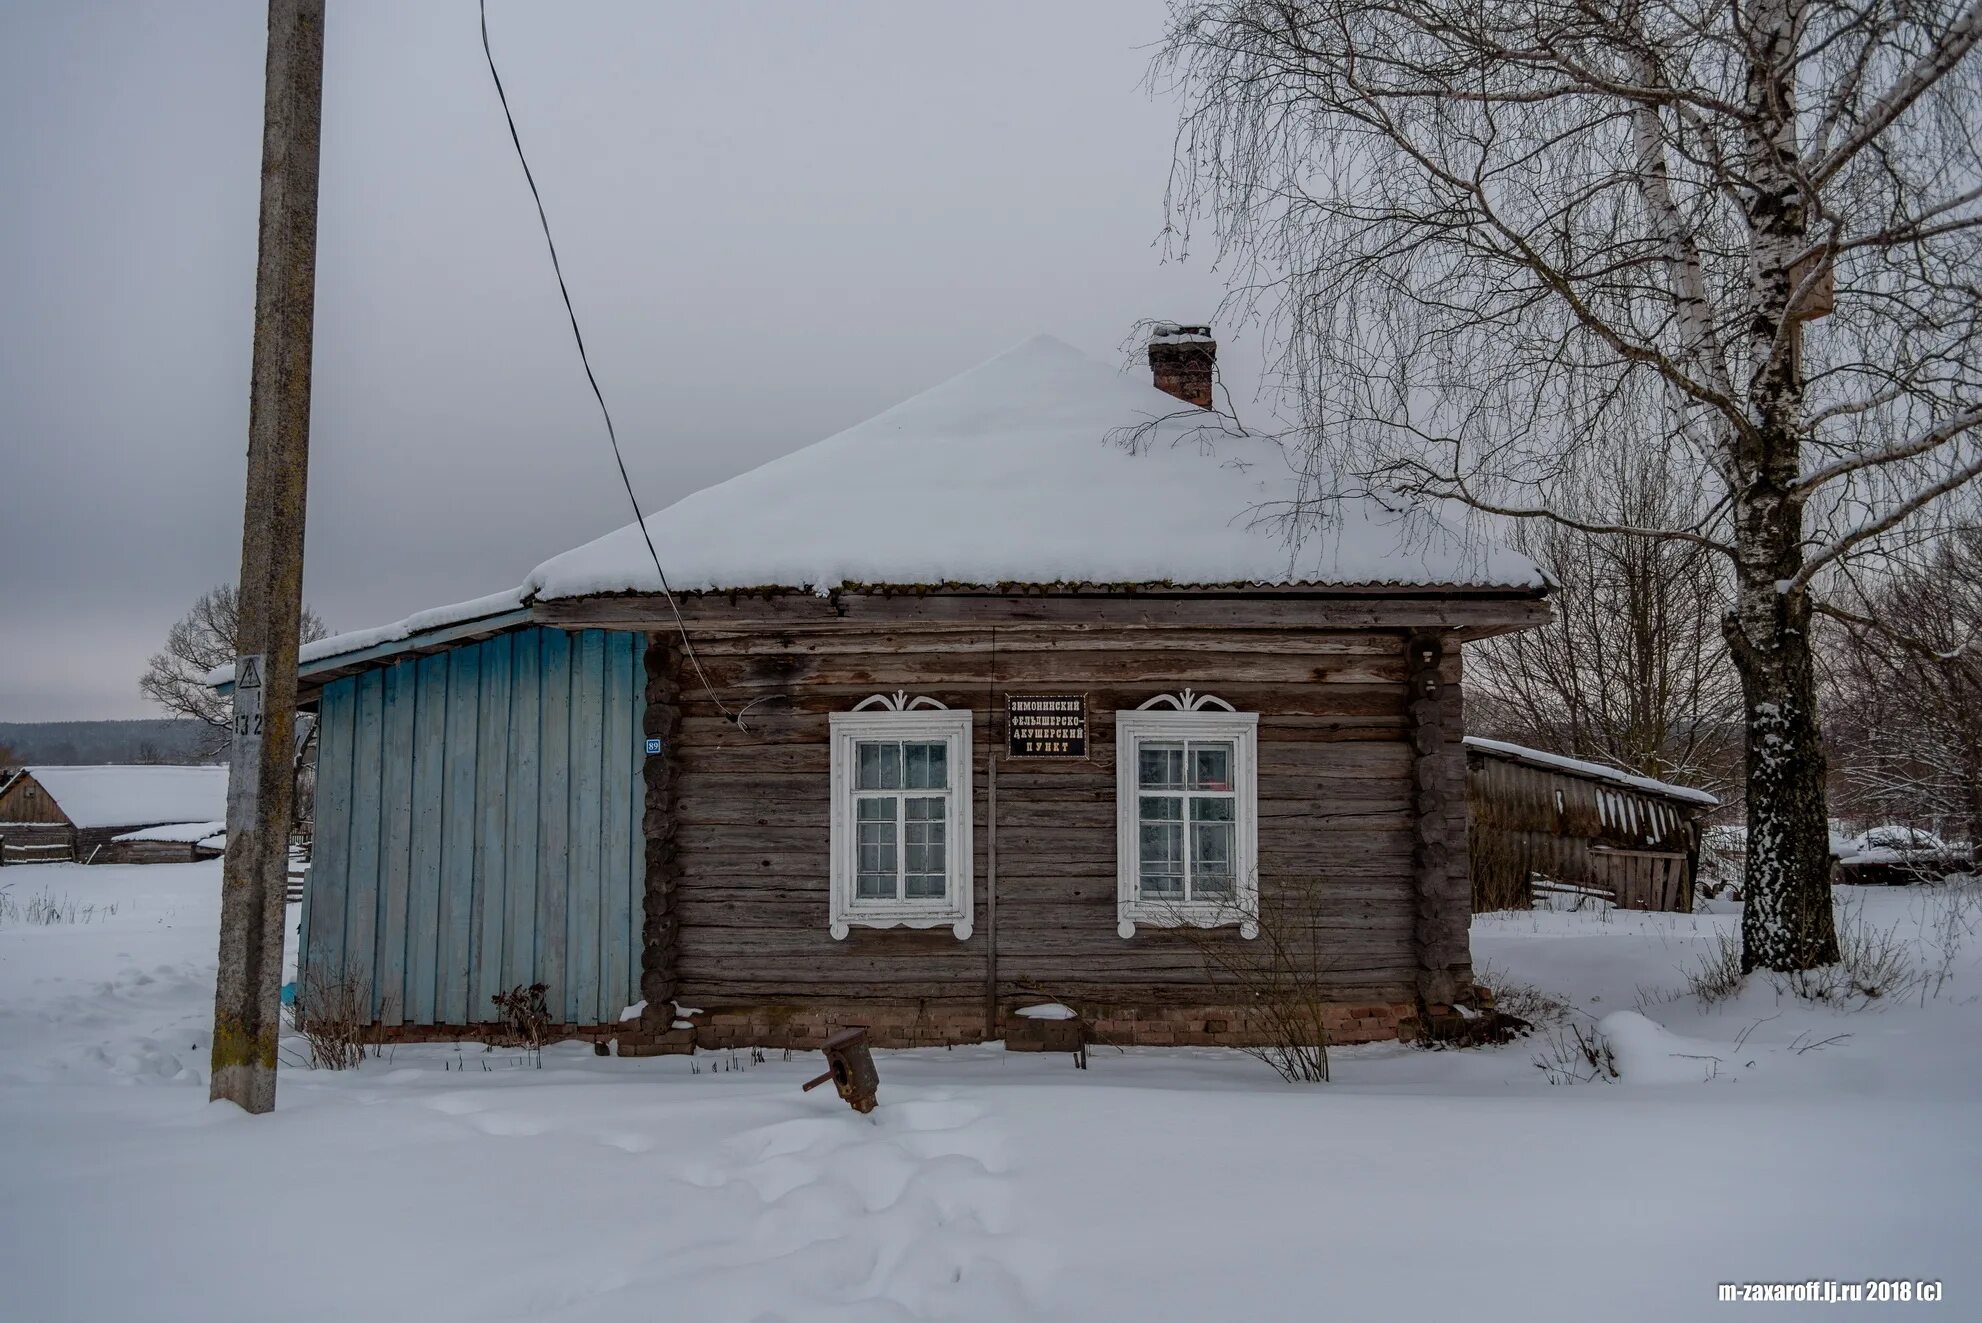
1207,808
923,840
1162,808
1160,766
1211,859
925,808
875,844
1162,859
1211,766
879,765
925,886
927,766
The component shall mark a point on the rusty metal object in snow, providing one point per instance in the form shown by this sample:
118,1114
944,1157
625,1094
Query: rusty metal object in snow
850,1069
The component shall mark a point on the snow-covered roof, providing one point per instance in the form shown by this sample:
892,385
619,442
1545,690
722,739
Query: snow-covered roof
1592,771
135,796
184,833
1018,471
1040,466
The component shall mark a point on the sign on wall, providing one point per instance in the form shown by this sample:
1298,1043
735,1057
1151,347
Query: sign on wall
1046,725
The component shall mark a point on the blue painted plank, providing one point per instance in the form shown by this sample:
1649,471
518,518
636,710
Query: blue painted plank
396,838
637,845
520,848
423,902
554,814
361,890
457,850
320,949
587,766
615,910
492,810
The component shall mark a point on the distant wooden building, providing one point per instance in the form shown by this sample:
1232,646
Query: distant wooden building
1541,818
50,814
1012,693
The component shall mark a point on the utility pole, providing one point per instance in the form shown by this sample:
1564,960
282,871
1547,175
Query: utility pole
247,1007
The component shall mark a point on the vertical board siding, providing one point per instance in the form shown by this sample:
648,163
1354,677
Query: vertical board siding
323,895
553,813
587,822
362,887
457,847
519,968
478,830
396,838
485,953
423,909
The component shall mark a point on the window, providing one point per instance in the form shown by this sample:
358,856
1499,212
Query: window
1186,811
901,822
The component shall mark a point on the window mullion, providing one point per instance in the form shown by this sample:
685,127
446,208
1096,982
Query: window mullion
901,846
1190,870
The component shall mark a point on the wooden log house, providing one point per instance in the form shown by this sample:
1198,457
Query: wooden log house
1016,692
54,814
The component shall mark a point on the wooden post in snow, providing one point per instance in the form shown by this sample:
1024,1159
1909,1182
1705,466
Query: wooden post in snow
247,1008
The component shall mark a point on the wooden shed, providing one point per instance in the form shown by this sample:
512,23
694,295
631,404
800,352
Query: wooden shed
51,814
1015,692
1541,819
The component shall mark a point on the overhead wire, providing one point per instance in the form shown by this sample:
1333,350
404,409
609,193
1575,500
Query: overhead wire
578,336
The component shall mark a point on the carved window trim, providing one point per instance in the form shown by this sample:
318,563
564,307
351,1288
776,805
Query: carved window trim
900,716
1187,716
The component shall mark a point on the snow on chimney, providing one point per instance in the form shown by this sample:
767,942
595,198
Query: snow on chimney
1181,360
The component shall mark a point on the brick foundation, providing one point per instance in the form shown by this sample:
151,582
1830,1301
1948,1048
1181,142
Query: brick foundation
805,1028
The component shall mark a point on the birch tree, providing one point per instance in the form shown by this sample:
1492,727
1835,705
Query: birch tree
1485,235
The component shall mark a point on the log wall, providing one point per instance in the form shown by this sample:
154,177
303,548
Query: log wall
744,814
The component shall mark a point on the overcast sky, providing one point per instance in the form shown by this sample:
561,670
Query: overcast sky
777,219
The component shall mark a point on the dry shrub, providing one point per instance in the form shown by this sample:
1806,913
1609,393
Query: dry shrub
1872,963
526,1017
1718,975
45,909
1522,1001
1576,1055
334,1016
1279,977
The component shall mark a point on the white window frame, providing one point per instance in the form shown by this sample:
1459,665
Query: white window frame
1169,718
899,717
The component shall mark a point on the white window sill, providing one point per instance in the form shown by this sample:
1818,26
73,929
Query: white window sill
1184,916
844,923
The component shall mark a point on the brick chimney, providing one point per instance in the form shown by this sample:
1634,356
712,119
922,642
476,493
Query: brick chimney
1181,360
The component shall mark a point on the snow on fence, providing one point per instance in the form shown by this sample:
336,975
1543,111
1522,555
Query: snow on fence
1542,820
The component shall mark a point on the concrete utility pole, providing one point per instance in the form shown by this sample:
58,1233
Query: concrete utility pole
247,1007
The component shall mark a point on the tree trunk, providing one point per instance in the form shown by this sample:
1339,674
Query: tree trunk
1786,923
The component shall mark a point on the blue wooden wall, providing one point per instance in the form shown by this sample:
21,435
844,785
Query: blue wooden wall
478,827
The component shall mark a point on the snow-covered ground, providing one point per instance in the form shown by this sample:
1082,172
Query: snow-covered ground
1181,1184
